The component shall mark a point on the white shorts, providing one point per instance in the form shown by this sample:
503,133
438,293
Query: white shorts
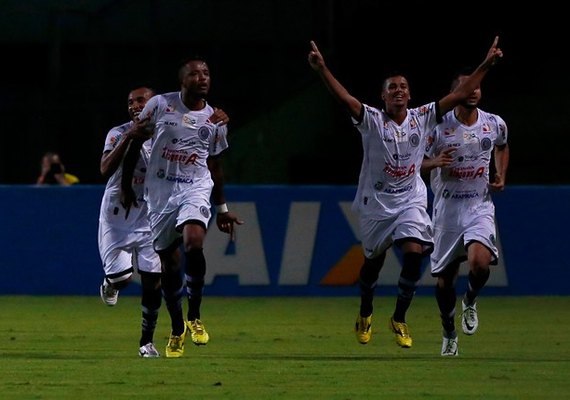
451,245
167,228
121,251
379,235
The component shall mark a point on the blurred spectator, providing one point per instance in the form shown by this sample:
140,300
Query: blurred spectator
53,171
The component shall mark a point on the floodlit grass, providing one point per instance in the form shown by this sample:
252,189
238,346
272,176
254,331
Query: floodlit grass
282,348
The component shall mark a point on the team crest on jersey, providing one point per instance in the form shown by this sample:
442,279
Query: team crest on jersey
205,212
446,194
203,133
486,143
170,108
415,139
486,128
160,174
413,124
378,186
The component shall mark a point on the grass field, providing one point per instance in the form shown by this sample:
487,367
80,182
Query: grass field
282,348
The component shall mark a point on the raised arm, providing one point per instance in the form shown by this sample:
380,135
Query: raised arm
464,90
317,62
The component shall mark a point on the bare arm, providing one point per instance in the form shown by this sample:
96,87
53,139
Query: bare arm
338,91
111,160
128,196
443,159
140,133
501,164
467,87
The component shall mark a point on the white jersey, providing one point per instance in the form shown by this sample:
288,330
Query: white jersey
390,178
111,212
461,190
181,144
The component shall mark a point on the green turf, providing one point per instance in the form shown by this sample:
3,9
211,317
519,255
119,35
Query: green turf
282,348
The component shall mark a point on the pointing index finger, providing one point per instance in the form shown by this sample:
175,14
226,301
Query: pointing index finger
314,46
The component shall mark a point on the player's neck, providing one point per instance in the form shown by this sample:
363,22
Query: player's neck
398,115
193,103
467,116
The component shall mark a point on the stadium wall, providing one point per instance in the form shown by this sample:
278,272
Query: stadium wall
296,241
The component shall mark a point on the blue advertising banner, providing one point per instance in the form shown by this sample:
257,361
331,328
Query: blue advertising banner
297,240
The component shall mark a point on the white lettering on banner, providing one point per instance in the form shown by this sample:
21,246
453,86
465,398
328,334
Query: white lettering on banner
299,243
391,270
248,262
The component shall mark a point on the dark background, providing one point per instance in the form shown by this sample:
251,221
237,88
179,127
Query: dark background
67,67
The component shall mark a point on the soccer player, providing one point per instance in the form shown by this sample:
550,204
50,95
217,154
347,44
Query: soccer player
460,151
188,137
125,241
391,198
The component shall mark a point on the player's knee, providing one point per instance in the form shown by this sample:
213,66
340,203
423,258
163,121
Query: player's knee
121,282
412,267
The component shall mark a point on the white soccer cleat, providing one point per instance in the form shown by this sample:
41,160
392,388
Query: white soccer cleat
108,294
148,351
469,319
449,347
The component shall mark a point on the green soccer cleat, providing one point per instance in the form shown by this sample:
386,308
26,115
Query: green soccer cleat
403,338
363,329
198,332
175,346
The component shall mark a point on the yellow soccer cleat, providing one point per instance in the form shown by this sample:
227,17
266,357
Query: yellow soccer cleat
175,346
363,329
403,338
198,332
